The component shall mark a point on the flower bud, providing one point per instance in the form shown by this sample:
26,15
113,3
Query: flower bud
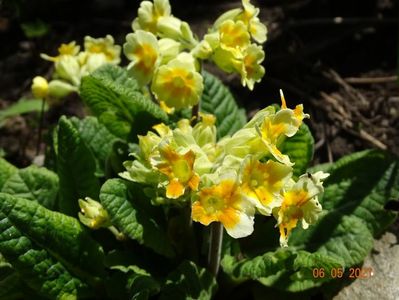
60,89
67,67
93,214
40,88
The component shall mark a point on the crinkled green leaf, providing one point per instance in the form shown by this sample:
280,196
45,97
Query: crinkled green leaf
287,269
40,270
218,100
264,265
97,138
189,281
6,171
300,149
133,217
34,183
76,168
299,276
63,236
142,286
114,97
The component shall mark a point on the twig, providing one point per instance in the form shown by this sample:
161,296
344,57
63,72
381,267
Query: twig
352,92
215,247
371,80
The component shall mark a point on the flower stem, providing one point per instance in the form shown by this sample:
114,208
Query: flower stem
39,134
194,114
215,247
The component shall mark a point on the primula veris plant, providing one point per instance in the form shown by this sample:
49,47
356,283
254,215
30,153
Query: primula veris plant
168,191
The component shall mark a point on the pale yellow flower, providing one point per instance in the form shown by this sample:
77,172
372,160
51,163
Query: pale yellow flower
250,18
300,202
233,35
252,71
178,83
178,168
65,49
223,203
142,48
104,46
285,123
149,14
261,183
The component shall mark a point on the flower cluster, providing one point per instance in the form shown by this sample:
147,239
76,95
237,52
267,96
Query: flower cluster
166,56
71,65
229,180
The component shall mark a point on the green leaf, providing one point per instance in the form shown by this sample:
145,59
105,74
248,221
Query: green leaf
114,97
35,29
97,138
6,171
63,236
142,286
299,275
261,266
23,106
189,282
131,283
76,168
218,100
134,217
300,149
288,269
35,265
34,183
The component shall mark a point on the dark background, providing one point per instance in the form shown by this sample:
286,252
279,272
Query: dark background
309,54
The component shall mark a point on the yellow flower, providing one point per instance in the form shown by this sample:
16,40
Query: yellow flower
149,14
262,183
65,49
178,83
233,35
248,14
223,203
40,87
300,202
251,70
286,123
104,46
250,18
179,170
142,48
